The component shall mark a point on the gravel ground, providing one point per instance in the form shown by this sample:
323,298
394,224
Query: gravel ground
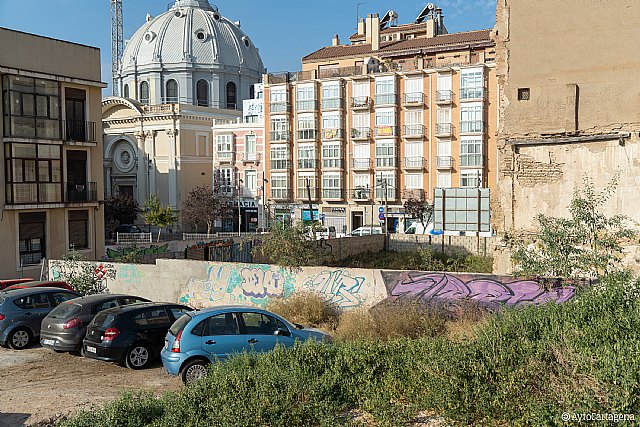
37,385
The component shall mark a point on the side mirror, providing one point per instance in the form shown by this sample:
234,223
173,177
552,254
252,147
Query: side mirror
282,333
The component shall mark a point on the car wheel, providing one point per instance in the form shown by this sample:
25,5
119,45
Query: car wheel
138,356
194,371
19,338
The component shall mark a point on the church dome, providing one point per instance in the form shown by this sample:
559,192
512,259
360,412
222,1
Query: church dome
190,42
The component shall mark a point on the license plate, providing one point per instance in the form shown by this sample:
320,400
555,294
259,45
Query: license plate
48,342
91,350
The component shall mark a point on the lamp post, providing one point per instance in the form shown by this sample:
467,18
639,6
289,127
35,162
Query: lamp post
239,187
263,188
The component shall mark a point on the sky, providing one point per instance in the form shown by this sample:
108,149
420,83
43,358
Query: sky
283,30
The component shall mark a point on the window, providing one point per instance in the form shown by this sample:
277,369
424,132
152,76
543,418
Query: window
361,180
280,157
250,146
385,185
310,179
385,153
332,186
251,181
331,95
471,84
361,95
156,316
126,91
224,178
444,147
306,97
444,179
104,306
306,156
222,324
471,118
33,173
414,181
31,107
279,129
258,324
278,94
202,145
32,302
331,125
144,93
202,93
32,237
471,152
385,118
231,96
471,178
60,297
444,116
307,126
172,92
444,92
413,123
178,312
279,186
225,146
78,229
413,91
524,94
252,92
331,155
385,90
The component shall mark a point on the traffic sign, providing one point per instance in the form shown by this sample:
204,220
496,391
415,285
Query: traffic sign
321,217
381,216
381,209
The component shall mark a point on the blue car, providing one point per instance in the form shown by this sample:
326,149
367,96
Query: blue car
199,337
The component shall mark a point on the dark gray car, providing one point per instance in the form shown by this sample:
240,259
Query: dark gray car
65,327
22,311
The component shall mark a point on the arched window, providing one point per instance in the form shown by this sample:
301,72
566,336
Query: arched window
172,92
252,92
144,92
202,93
231,96
126,91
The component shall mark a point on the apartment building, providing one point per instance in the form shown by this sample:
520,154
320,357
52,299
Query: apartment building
366,126
52,154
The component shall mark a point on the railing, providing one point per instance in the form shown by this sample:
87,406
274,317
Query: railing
157,109
80,131
415,162
251,157
416,98
308,164
382,131
444,129
280,164
332,103
287,77
198,236
361,102
388,194
384,68
472,126
328,73
333,163
332,133
471,93
360,133
444,162
279,107
309,134
333,193
386,99
386,162
279,135
303,194
413,193
414,130
81,192
361,163
444,96
131,238
281,193
307,105
361,194
471,160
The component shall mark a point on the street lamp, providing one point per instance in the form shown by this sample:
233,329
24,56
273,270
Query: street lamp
263,188
239,187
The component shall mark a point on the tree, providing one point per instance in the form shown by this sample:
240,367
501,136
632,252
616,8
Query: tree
420,209
121,208
291,246
203,206
158,215
86,277
588,244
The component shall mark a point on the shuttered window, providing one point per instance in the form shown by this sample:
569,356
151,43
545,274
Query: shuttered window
79,229
32,237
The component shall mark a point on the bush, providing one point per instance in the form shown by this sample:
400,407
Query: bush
306,308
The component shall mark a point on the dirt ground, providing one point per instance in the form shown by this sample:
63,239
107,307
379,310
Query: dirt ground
38,385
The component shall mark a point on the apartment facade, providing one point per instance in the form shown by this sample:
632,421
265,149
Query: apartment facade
366,126
52,153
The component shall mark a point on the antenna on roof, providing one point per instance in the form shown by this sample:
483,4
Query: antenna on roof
390,18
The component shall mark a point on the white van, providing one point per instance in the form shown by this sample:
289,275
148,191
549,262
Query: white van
367,231
418,228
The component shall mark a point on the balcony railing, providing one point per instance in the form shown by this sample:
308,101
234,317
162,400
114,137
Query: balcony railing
415,162
333,193
308,164
386,162
280,164
413,193
444,129
384,131
384,68
79,131
385,99
281,193
364,102
362,164
307,105
332,133
469,93
444,162
81,192
303,194
332,103
333,163
444,96
415,131
360,133
329,73
279,107
286,77
388,193
308,134
361,194
472,126
414,98
279,135
251,157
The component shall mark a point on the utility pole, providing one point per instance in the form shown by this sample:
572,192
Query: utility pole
310,206
239,213
117,43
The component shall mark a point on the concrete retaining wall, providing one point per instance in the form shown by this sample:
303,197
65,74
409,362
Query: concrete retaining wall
449,244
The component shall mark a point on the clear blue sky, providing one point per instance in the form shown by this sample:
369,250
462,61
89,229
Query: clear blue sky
283,30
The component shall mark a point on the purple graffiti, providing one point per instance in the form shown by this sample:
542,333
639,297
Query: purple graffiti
489,290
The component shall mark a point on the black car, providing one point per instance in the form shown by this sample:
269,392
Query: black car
125,228
132,335
66,326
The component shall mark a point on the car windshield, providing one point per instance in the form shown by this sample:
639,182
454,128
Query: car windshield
104,320
179,324
65,311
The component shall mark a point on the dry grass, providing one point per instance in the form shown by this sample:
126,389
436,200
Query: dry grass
306,308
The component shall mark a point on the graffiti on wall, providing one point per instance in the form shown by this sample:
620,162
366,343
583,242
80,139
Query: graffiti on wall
339,287
493,291
72,272
129,274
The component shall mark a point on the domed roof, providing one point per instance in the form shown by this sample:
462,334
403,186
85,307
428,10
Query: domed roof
191,32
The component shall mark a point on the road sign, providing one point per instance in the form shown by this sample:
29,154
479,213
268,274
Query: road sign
381,216
321,217
381,209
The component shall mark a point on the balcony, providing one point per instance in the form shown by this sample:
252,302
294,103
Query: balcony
414,131
444,162
414,193
386,131
307,135
360,133
85,192
280,135
279,107
471,93
361,194
333,194
444,129
307,105
225,156
472,126
312,164
332,134
79,131
332,104
361,102
361,164
386,99
333,163
386,162
330,73
415,163
444,97
280,164
303,194
414,99
386,194
252,158
281,194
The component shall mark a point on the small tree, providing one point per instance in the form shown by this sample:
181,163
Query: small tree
158,215
121,208
203,206
86,277
419,209
586,245
291,247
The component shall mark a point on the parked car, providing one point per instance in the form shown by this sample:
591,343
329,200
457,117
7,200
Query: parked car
22,311
418,228
9,282
41,284
132,335
199,337
125,228
367,231
66,326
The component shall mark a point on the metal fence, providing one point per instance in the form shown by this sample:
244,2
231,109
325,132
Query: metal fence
238,252
131,238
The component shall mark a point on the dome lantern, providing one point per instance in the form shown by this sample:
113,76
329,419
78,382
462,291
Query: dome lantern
203,4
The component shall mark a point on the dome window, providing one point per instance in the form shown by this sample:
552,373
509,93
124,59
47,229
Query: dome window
202,93
216,16
179,14
144,93
172,92
149,36
246,41
201,35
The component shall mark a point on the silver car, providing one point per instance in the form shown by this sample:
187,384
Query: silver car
22,311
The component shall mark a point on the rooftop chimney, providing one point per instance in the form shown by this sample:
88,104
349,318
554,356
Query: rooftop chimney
373,31
336,40
431,27
361,27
